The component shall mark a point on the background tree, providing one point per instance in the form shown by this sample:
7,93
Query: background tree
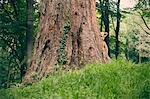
29,34
13,29
106,22
117,29
103,8
12,41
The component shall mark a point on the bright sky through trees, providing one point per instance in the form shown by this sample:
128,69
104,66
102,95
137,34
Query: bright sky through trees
128,3
124,3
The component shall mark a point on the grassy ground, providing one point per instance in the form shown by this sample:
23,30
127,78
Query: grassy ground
118,80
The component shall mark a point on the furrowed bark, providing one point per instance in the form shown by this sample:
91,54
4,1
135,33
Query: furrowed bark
83,40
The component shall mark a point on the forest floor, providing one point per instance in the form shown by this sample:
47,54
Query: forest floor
117,80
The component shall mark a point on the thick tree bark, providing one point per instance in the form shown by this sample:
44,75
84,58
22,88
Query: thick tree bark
84,34
50,31
84,44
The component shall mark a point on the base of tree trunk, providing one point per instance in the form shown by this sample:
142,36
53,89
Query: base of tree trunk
83,43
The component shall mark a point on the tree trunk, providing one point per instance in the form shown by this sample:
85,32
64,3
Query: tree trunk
127,49
104,5
84,38
84,44
117,29
102,15
29,34
101,24
140,58
106,23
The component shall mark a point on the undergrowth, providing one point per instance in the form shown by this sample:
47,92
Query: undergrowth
117,80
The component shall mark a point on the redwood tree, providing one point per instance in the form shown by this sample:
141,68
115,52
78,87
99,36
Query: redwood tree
83,44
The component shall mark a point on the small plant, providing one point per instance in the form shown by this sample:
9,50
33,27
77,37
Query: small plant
61,60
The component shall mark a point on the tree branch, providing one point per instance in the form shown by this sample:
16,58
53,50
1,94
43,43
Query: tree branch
144,21
142,28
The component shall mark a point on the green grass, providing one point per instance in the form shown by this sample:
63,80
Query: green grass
118,80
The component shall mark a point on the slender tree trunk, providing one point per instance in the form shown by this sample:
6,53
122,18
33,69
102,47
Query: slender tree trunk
84,44
140,58
127,49
29,34
127,44
101,24
104,5
106,23
117,29
102,16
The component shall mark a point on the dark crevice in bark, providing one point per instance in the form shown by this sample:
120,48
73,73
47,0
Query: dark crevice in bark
73,59
46,46
79,45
